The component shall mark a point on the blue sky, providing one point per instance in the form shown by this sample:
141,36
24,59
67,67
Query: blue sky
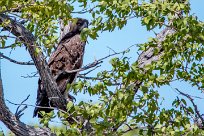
17,88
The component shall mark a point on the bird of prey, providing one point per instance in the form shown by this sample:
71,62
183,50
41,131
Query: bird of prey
67,56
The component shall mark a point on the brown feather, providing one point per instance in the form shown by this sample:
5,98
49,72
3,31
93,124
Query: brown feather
68,56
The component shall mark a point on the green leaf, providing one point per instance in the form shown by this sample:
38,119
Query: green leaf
69,105
37,50
3,43
183,101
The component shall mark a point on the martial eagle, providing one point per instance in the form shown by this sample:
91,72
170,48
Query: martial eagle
68,56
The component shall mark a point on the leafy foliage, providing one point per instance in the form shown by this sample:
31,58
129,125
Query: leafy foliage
122,109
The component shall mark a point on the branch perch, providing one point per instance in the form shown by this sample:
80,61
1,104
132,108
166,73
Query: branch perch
14,124
39,60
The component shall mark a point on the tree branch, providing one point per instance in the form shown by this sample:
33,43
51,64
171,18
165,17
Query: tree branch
19,113
14,124
14,61
194,105
6,47
30,105
34,74
39,60
86,10
147,57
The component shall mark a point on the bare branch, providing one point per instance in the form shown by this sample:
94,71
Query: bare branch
86,10
6,47
111,49
86,77
30,105
7,36
91,65
194,105
14,61
90,70
19,113
34,74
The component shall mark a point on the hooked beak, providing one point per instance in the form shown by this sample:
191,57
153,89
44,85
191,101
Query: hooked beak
85,25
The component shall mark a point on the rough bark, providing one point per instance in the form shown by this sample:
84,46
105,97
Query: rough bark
15,125
38,58
64,29
147,57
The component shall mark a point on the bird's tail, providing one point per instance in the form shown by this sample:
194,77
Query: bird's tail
42,103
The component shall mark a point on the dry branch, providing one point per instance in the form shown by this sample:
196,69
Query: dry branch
14,61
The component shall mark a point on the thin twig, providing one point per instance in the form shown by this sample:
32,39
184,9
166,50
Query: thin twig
90,70
7,36
30,105
194,105
84,10
19,113
31,76
192,96
111,49
90,65
5,47
86,77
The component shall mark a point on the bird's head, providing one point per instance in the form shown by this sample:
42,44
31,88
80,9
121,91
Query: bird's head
79,25
75,27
